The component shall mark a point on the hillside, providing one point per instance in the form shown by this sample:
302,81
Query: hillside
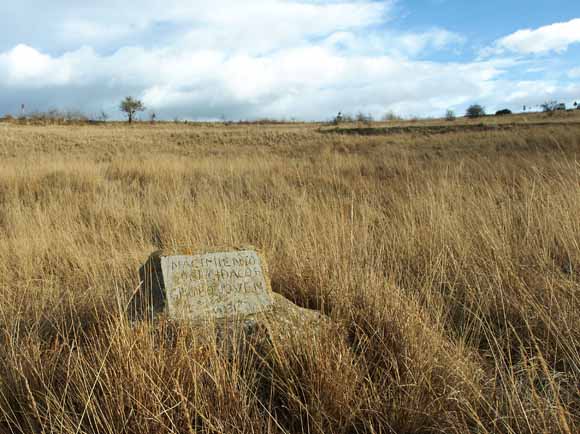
446,257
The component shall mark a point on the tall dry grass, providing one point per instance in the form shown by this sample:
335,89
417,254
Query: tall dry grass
449,263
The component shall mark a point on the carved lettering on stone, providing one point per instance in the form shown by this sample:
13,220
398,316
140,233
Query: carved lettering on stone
215,285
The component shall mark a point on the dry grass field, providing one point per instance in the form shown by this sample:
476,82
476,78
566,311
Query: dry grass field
449,262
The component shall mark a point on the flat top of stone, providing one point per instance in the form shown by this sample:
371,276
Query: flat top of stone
192,251
215,284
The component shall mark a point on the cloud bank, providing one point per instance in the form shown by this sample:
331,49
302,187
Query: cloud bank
253,59
552,38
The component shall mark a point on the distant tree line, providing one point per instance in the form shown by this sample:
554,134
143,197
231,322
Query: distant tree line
131,107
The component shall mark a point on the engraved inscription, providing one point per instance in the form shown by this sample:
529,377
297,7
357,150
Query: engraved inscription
215,285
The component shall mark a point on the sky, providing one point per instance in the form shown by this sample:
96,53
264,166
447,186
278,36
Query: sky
288,59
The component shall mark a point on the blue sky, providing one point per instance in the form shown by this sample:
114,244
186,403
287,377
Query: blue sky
304,59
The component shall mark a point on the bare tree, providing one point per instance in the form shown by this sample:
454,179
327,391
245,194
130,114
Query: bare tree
131,106
364,118
550,106
103,116
391,116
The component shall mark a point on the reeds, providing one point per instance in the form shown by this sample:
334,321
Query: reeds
449,264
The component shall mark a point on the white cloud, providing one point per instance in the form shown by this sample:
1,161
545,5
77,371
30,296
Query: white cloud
574,73
395,44
311,82
256,58
26,67
253,25
437,39
307,82
552,38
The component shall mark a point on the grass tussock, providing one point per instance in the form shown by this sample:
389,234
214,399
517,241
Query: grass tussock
449,264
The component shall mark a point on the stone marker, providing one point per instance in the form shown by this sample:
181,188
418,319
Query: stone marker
207,285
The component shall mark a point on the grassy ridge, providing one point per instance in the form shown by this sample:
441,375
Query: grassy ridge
449,262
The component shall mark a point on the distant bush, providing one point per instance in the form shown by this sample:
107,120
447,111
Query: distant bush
365,118
450,116
475,111
391,116
55,116
263,121
338,119
503,112
552,106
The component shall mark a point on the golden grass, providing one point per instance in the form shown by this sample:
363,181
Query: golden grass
450,264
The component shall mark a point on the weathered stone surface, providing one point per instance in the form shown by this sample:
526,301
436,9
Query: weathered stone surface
288,317
205,285
227,298
285,322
